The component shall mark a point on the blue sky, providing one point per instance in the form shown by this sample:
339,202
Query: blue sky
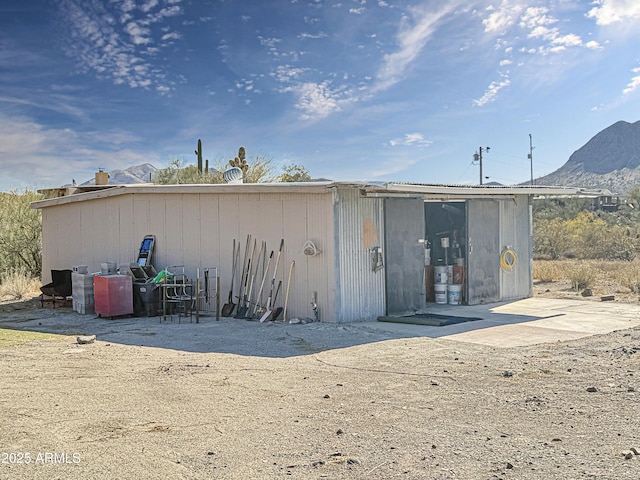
375,90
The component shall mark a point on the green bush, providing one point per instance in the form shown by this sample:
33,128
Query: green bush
261,170
586,235
20,233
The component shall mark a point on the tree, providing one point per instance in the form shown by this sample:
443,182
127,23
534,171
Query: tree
179,173
295,173
633,197
261,170
20,233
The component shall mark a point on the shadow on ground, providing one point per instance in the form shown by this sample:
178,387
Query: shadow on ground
243,337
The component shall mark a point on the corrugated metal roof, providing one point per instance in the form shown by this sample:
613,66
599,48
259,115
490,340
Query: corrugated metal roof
472,190
371,188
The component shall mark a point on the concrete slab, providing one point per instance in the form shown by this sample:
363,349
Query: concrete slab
530,321
508,324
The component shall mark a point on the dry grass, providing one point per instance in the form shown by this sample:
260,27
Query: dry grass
10,338
566,278
17,285
547,270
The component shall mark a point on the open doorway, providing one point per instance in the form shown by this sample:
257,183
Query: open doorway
445,251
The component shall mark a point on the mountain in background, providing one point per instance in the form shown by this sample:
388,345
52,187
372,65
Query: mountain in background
611,160
138,174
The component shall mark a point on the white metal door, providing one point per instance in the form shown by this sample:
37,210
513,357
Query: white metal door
483,251
404,255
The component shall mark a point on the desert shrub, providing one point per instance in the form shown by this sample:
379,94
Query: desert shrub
551,239
179,173
630,276
581,275
562,208
20,233
547,271
295,173
588,235
18,283
609,243
261,170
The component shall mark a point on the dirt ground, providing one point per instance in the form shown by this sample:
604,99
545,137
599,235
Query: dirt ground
270,403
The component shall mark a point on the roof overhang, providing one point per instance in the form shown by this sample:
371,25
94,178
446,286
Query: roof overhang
449,192
92,193
367,189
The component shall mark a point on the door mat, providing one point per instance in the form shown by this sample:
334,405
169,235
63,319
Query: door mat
429,319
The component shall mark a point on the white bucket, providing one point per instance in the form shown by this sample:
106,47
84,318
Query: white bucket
441,274
455,294
441,292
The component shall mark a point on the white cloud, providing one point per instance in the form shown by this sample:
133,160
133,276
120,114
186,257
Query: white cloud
171,36
634,83
410,140
503,17
491,92
570,40
149,5
304,36
287,73
413,35
608,12
316,100
29,149
139,35
534,17
392,167
119,50
164,13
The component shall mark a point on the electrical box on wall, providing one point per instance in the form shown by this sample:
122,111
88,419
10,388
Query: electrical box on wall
376,258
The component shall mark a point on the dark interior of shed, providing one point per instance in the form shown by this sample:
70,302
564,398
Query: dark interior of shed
445,220
445,245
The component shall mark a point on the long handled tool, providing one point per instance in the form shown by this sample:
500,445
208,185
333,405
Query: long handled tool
264,277
243,305
247,313
244,270
227,308
286,301
266,314
276,313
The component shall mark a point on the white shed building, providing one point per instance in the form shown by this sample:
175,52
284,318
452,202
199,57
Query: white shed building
369,238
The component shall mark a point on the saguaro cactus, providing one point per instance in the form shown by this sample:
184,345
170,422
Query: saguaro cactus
240,161
198,152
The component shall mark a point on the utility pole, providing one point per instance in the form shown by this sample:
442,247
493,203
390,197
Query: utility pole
477,157
531,156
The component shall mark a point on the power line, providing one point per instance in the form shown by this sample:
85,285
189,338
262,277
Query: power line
477,157
531,147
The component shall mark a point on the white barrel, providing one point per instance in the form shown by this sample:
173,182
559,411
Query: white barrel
441,292
441,274
455,294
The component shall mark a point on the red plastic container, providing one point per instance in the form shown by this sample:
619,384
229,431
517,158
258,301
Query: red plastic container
113,295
